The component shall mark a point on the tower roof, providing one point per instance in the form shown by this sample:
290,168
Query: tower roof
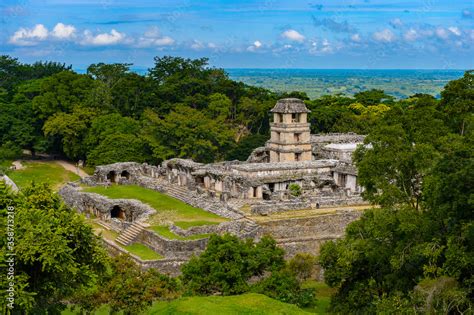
290,106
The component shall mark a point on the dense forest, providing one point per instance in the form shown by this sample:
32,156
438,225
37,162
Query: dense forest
180,108
413,253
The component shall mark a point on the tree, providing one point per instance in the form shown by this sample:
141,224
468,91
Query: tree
128,288
398,154
57,254
118,148
187,133
227,265
284,286
219,106
71,129
302,266
373,97
415,254
457,101
61,92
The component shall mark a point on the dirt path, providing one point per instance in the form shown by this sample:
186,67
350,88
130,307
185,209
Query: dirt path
71,167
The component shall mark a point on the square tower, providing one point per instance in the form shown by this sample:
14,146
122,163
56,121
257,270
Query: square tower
290,132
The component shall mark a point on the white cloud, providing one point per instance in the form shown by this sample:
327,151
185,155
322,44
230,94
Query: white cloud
293,35
29,36
454,30
356,38
197,45
411,35
152,37
103,39
256,45
442,33
396,23
62,31
385,35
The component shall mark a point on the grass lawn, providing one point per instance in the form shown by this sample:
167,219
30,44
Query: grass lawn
143,251
176,210
248,304
42,172
99,229
323,296
164,231
186,224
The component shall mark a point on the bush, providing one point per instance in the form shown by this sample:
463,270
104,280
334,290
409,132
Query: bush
284,286
295,190
302,266
228,263
9,151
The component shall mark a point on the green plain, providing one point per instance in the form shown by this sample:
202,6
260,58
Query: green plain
143,251
164,231
175,209
248,304
42,172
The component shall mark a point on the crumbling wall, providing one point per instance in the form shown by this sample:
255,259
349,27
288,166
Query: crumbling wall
306,234
101,206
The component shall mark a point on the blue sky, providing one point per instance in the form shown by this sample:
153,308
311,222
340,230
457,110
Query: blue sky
362,34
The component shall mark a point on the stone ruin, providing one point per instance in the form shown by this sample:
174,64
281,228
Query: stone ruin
320,165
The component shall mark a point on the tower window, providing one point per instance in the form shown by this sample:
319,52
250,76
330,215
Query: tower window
297,137
297,156
295,117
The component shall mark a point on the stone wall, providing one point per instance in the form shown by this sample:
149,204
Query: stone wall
240,228
331,200
101,206
182,249
308,233
169,266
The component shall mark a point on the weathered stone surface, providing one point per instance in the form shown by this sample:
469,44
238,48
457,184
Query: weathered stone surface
290,105
308,233
169,266
102,207
242,228
9,183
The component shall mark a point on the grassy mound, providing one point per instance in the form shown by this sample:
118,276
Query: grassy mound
249,304
176,209
143,251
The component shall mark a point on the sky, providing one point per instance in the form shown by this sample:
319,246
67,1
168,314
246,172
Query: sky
354,34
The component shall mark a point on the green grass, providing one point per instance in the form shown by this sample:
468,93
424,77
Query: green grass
248,304
176,209
99,229
164,231
323,296
245,304
186,224
143,251
42,172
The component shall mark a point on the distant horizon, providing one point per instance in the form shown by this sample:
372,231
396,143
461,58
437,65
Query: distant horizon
132,68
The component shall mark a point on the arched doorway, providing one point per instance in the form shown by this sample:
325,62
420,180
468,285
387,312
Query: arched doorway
125,174
112,176
117,212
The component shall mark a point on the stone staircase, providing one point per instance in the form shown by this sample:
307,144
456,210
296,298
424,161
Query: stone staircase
130,233
250,227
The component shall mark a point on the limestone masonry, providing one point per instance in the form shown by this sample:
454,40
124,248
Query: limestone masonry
259,195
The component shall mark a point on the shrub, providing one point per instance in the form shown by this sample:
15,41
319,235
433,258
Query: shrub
295,190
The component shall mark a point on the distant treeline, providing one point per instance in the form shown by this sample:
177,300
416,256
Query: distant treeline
180,108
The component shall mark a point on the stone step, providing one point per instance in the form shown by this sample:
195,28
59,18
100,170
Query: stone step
129,234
